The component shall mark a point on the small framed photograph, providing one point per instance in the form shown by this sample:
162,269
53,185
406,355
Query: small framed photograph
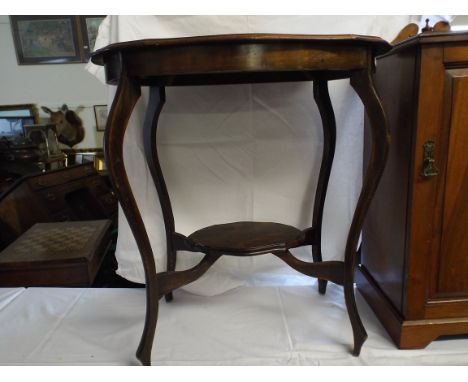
89,30
14,118
100,112
46,39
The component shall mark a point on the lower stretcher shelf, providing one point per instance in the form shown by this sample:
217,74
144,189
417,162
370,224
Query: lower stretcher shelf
247,238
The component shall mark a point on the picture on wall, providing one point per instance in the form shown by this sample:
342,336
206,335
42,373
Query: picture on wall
100,112
13,119
54,39
89,28
46,39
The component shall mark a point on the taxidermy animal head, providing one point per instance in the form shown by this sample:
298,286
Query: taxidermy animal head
70,130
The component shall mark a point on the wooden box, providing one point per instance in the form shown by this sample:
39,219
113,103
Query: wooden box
69,194
56,254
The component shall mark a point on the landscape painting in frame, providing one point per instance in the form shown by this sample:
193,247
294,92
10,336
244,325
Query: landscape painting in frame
46,39
89,29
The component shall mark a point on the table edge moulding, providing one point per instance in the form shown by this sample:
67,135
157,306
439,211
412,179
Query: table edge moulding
234,59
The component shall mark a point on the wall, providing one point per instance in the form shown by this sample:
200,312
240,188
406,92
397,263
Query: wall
53,85
49,85
460,20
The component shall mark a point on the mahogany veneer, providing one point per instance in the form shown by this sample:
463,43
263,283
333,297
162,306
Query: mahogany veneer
414,271
248,238
239,59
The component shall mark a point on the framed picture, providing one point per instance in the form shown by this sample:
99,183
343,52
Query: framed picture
89,29
100,112
13,119
46,39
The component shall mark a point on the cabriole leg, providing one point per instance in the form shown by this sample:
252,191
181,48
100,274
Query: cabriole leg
363,85
155,104
322,99
128,92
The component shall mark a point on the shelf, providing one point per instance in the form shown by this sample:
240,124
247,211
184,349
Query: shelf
248,238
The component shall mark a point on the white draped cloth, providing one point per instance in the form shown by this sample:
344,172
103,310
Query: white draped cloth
242,152
278,325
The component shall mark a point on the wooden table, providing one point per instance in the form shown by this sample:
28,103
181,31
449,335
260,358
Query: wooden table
234,59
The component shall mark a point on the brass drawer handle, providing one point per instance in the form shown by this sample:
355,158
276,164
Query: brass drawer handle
429,168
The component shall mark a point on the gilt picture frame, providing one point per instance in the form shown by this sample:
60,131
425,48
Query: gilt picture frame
46,39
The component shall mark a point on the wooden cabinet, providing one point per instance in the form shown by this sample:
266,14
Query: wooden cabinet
414,260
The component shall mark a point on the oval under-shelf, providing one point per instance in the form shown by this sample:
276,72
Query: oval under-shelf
248,238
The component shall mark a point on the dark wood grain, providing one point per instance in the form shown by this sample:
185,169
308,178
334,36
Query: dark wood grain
229,58
429,39
399,98
322,98
423,198
238,59
247,238
377,44
415,242
363,84
453,265
324,270
170,280
407,334
150,128
390,317
128,93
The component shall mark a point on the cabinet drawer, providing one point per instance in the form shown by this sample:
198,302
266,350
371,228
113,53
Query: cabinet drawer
56,178
456,53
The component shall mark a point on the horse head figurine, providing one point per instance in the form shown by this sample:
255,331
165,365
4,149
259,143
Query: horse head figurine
69,125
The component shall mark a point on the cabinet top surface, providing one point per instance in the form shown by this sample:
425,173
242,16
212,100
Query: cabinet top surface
378,45
429,38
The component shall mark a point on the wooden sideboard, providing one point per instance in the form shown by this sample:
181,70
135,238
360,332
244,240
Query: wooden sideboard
414,260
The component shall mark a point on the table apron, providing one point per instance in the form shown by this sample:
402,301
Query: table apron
229,61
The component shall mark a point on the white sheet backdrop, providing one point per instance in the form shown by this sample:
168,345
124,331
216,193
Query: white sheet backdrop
242,152
246,326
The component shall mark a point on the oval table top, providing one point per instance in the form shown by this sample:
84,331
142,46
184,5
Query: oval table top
238,58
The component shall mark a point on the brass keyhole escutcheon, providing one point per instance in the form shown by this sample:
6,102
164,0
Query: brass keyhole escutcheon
429,168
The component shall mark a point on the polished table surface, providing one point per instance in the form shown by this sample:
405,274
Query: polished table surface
231,59
223,59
